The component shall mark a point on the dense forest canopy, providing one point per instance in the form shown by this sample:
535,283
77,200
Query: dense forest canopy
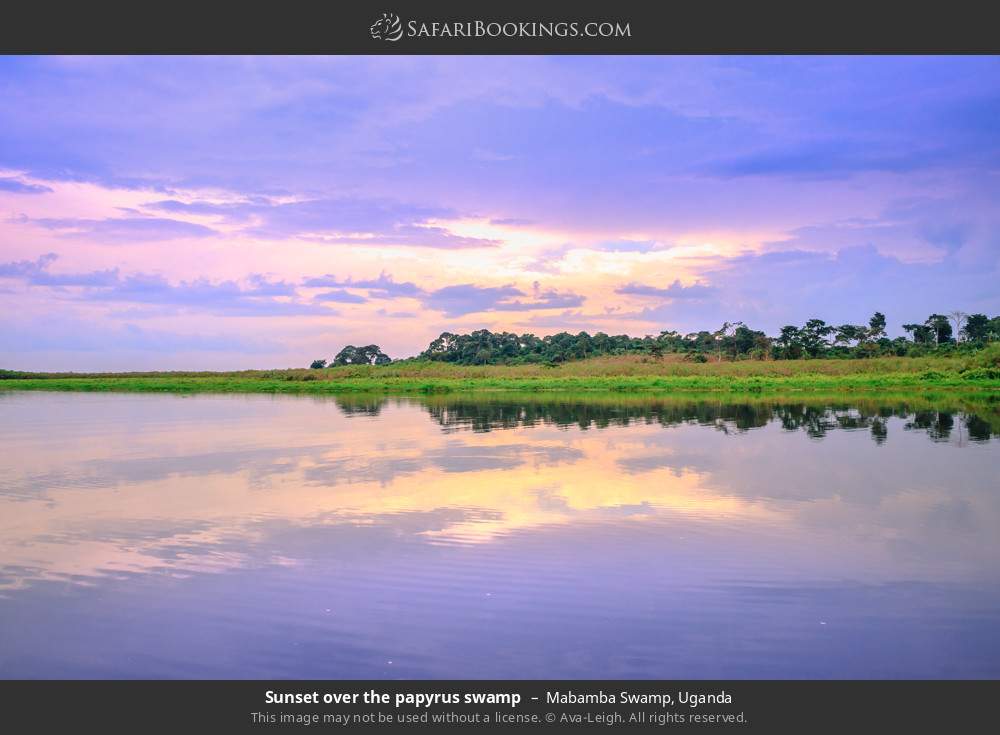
733,340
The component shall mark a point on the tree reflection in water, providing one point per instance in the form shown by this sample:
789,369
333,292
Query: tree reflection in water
973,422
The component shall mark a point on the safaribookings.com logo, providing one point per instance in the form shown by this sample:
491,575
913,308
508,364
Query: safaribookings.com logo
387,28
390,28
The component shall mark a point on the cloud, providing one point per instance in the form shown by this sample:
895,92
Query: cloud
917,227
327,214
383,287
828,160
240,211
69,335
567,320
36,273
122,229
771,289
468,298
258,297
424,236
27,268
549,299
629,246
22,187
511,222
336,220
340,296
392,126
674,291
261,298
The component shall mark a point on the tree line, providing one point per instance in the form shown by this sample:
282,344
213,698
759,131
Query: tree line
733,340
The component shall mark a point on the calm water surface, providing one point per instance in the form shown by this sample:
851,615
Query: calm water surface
291,537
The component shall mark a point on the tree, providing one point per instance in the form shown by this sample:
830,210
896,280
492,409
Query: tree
847,333
922,334
733,339
347,356
724,337
318,364
941,326
440,347
813,336
958,317
367,355
981,329
746,339
977,328
790,342
762,344
876,326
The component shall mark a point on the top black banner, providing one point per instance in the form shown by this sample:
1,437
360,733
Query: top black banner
450,27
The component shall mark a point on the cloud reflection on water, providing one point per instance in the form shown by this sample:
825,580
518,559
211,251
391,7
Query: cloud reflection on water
98,490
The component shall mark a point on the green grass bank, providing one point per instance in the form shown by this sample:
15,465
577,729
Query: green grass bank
980,373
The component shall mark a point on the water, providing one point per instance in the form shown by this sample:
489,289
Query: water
294,537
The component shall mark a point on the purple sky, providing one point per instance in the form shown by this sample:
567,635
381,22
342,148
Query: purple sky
263,212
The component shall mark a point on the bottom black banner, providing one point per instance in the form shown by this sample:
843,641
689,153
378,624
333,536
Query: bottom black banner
523,706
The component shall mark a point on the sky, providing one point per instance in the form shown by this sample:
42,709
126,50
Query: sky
259,212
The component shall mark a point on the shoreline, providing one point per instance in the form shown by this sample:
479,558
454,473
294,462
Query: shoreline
665,385
629,374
